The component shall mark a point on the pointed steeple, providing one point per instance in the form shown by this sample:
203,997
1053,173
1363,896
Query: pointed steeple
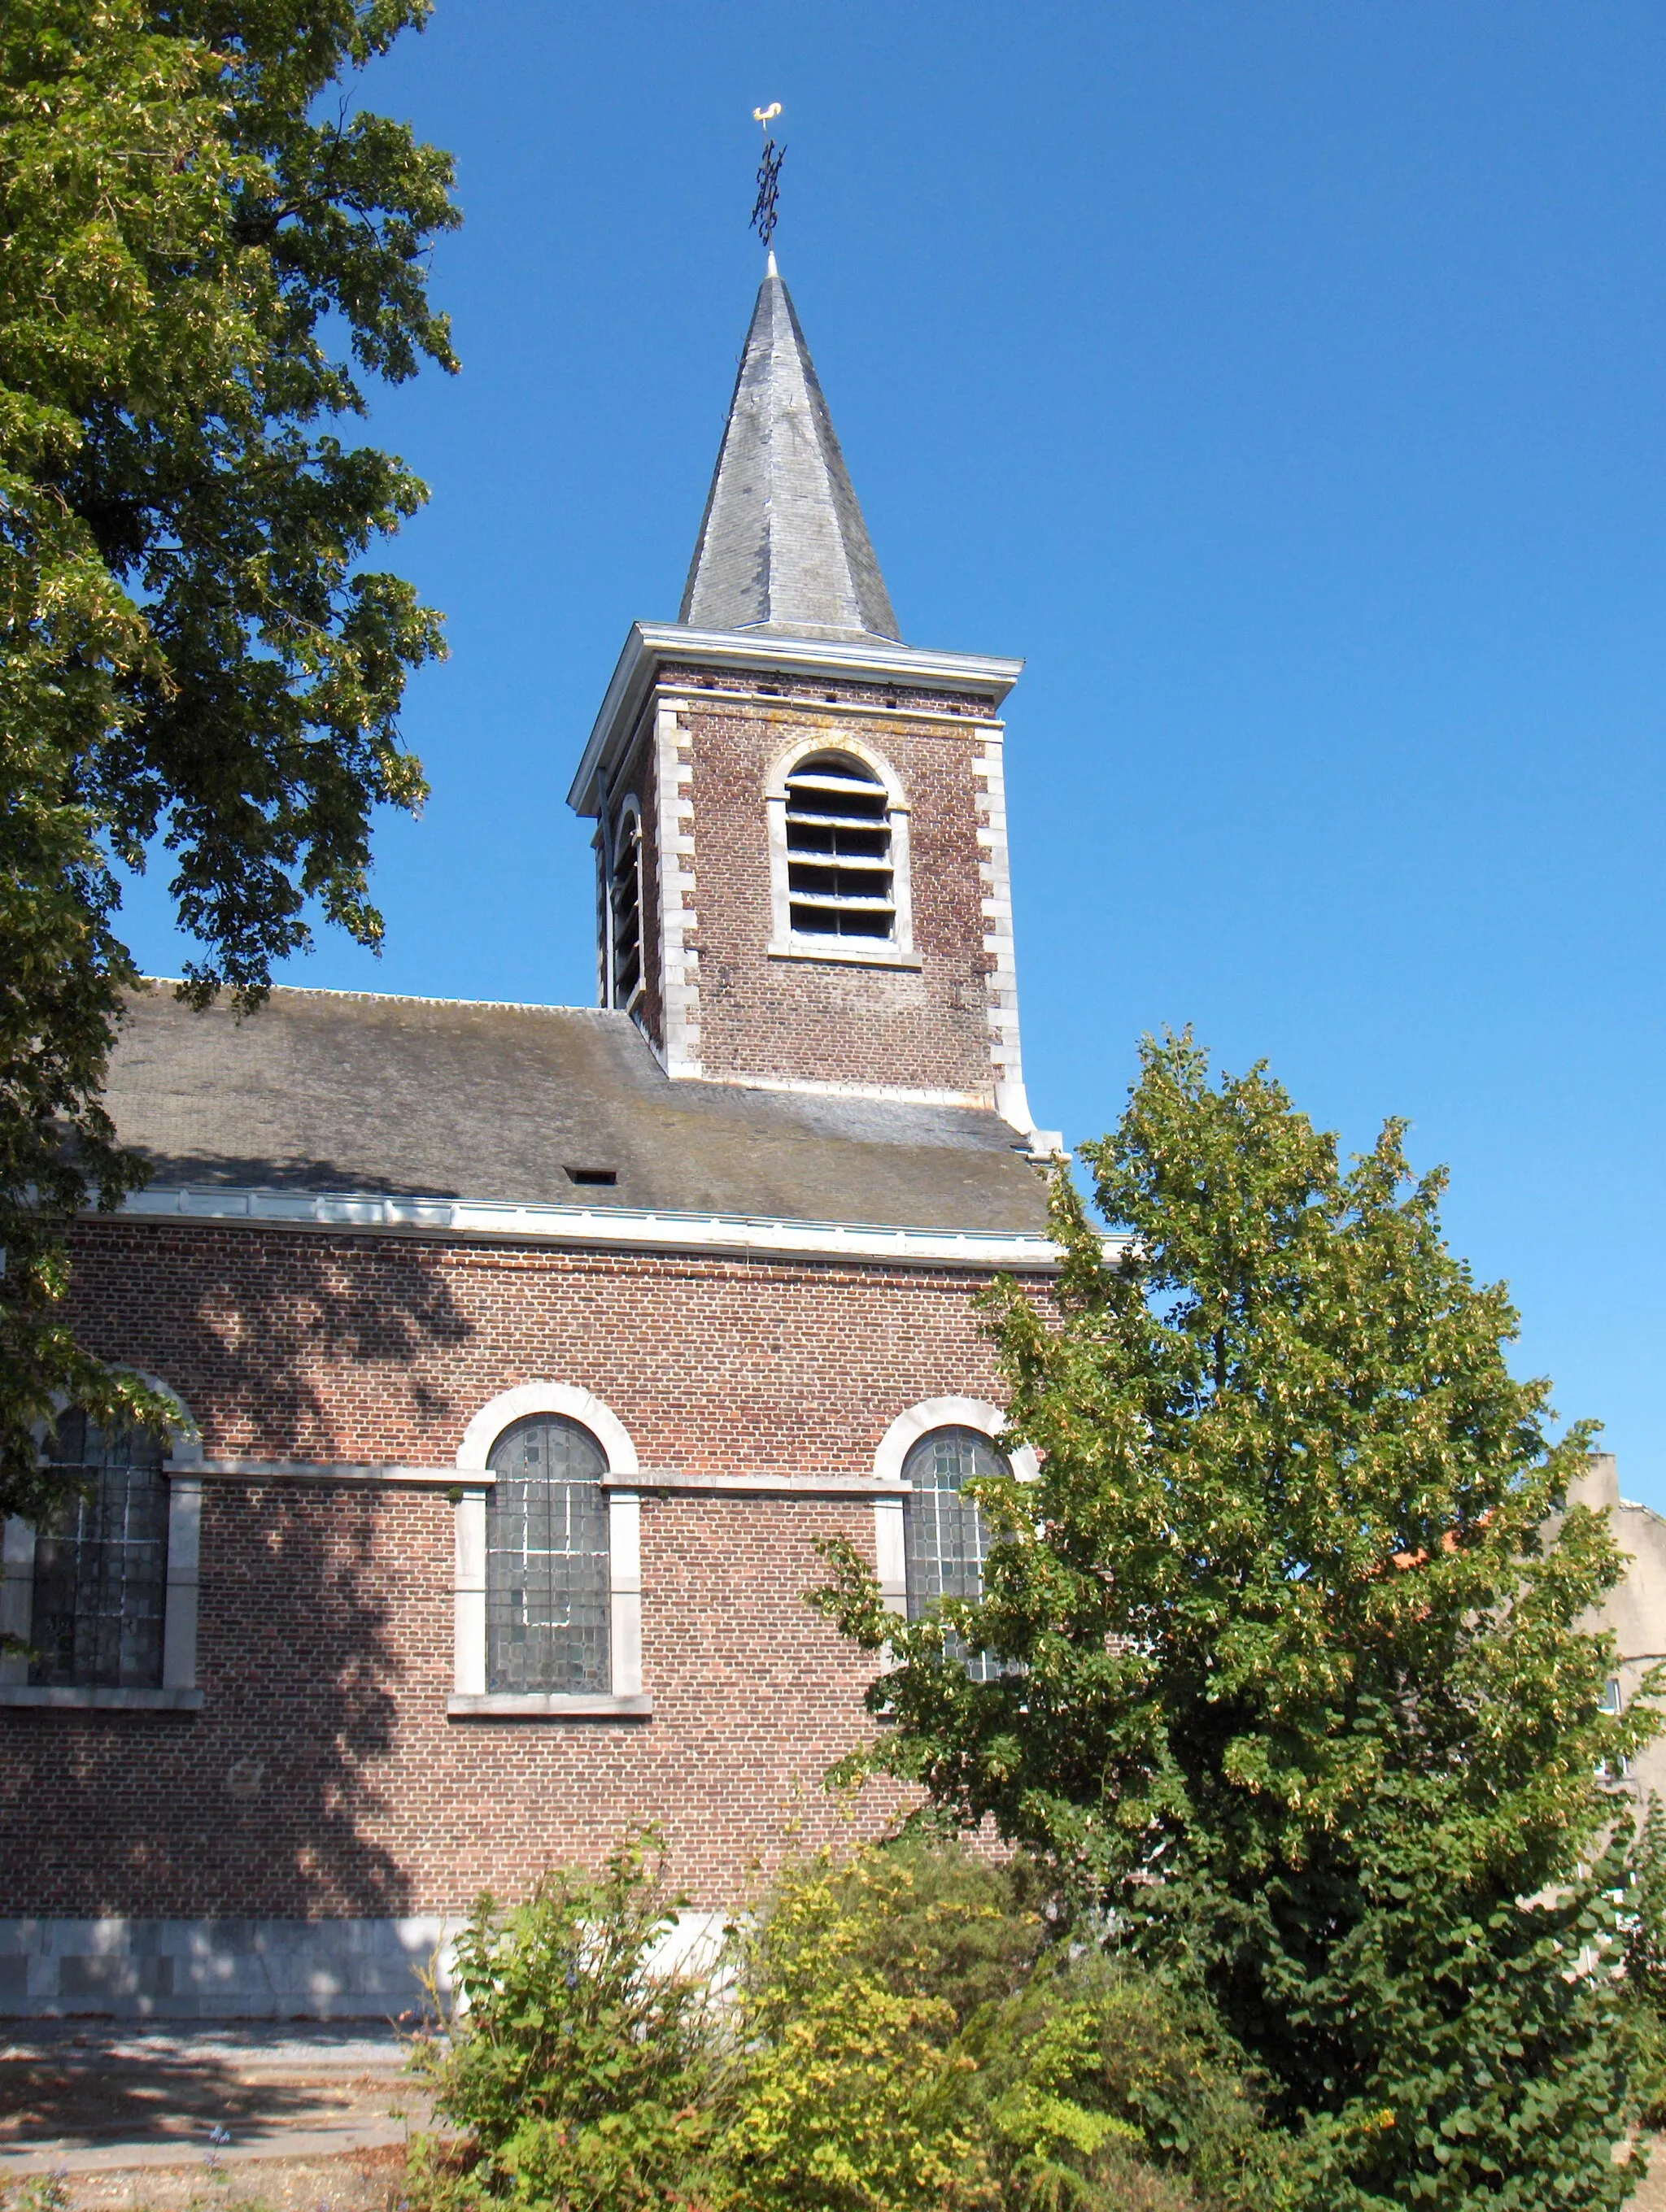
783,548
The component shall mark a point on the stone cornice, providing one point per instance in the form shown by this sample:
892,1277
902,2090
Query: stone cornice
651,644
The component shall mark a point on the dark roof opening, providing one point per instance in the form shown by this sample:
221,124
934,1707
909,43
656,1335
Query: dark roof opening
605,1176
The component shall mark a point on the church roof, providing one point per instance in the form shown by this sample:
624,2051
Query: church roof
342,1092
782,545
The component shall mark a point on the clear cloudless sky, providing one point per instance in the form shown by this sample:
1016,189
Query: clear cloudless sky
1284,381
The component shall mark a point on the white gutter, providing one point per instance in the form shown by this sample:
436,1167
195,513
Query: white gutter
626,1227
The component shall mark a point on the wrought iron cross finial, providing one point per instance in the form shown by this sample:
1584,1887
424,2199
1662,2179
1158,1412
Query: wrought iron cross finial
769,175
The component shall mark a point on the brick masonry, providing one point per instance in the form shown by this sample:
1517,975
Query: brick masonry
925,1027
322,1778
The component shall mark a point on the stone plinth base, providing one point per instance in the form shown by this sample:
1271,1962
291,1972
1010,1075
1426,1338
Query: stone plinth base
51,1969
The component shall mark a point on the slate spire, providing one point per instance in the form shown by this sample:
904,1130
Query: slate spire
782,547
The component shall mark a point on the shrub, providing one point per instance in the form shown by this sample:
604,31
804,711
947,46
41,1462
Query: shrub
590,2079
903,2030
853,2093
933,1919
1090,2065
919,2033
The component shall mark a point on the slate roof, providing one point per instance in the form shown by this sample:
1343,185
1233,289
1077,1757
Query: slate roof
336,1091
782,546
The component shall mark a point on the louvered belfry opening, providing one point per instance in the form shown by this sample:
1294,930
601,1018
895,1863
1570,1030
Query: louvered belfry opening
625,898
838,849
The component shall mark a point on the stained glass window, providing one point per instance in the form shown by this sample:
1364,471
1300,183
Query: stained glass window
547,1579
100,1562
945,1545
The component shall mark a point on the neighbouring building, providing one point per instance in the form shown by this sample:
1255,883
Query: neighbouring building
522,1353
1634,1612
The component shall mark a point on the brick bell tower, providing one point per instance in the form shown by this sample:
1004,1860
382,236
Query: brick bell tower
801,826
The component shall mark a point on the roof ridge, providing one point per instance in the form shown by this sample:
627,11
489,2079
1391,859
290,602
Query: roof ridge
418,999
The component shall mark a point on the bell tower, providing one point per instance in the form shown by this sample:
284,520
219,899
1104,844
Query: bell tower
800,820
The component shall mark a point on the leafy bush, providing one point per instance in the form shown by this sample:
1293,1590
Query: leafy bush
903,2030
854,2095
935,1919
1089,2063
589,2078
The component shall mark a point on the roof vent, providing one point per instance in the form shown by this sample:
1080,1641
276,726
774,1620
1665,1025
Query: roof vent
604,1178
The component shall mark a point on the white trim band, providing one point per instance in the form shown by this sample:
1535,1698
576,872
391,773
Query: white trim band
60,1699
760,1486
373,1474
500,1706
362,1474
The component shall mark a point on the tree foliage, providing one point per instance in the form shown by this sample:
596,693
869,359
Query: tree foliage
1644,1933
1299,1694
202,254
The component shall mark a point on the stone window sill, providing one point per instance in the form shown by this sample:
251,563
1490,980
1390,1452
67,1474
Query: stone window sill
499,1706
57,1700
843,952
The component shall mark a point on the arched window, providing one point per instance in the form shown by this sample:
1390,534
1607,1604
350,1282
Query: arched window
100,1598
547,1583
943,1531
625,900
840,876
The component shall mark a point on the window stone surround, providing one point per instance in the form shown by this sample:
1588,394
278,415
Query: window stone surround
787,944
178,1691
471,1700
890,1533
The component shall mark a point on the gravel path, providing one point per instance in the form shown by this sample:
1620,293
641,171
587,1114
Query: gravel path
293,2117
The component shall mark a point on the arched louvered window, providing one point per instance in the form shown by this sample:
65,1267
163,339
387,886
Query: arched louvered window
840,876
625,900
547,1584
944,1535
100,1562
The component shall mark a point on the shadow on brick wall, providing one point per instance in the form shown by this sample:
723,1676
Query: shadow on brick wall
324,1609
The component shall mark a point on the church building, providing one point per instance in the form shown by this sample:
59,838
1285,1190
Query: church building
522,1353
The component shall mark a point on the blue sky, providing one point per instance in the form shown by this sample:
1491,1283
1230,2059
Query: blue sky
1285,382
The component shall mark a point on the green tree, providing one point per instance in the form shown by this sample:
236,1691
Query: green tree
1300,1698
1644,1931
200,255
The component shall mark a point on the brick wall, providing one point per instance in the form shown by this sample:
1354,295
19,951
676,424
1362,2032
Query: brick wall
322,1776
920,1027
828,1021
